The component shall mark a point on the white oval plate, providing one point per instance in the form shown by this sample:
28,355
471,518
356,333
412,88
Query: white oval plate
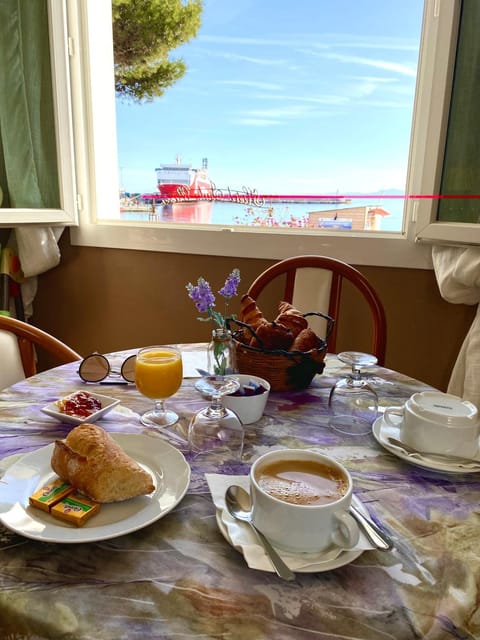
168,467
381,430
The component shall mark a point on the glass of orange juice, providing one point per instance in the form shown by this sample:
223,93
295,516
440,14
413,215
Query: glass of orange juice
158,375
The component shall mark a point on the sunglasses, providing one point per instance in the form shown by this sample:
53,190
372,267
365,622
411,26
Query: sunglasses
95,368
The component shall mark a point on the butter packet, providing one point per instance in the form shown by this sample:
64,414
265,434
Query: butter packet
50,494
75,508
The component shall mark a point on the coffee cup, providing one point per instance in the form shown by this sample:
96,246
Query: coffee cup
436,422
301,500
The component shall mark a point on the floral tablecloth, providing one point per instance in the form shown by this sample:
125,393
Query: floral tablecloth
179,577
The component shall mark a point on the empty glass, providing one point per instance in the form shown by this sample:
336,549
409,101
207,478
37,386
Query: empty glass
353,402
216,428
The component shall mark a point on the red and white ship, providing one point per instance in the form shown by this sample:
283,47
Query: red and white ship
181,182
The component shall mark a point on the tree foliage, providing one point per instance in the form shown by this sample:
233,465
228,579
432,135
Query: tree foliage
144,33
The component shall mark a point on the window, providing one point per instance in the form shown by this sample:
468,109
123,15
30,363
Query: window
446,133
29,183
95,95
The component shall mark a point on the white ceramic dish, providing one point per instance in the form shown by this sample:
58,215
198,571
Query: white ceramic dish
167,465
248,408
107,403
304,563
381,431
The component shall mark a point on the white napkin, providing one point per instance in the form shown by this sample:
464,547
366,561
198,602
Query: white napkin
241,536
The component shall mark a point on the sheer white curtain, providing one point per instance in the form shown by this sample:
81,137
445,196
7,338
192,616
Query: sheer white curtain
458,275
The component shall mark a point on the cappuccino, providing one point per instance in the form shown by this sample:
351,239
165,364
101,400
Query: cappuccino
302,482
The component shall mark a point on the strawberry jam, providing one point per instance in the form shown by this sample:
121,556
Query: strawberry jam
81,404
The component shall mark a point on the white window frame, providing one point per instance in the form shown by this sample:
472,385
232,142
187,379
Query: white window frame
93,86
67,214
429,130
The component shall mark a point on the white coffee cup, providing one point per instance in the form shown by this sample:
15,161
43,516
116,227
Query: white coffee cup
298,527
436,422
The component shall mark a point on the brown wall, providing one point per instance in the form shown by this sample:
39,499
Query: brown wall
109,299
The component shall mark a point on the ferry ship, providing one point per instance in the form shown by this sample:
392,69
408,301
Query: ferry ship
181,182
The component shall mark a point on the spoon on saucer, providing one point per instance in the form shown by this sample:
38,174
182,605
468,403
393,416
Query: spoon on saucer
239,507
467,463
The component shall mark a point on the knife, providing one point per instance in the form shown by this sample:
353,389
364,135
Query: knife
376,536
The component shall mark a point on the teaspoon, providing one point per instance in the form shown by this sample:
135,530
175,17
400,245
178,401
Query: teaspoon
239,507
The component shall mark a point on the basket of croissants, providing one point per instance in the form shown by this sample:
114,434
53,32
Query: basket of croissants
285,351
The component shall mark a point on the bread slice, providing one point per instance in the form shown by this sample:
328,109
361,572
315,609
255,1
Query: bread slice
92,462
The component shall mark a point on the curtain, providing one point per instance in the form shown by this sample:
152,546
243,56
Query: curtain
27,123
28,158
458,275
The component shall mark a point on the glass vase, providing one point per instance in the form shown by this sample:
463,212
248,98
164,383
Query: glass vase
221,356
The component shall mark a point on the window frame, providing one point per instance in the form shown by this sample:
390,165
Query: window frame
60,53
429,131
409,248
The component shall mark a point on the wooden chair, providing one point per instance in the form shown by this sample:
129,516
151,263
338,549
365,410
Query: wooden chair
330,294
18,357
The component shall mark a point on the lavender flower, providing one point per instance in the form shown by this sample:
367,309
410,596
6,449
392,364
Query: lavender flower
230,287
201,295
204,300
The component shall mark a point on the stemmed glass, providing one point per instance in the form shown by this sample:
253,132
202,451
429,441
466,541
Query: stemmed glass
353,402
217,428
158,375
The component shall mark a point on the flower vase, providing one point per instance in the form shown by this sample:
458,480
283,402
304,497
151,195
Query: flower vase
221,355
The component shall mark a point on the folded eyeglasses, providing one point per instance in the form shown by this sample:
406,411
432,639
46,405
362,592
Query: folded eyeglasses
96,367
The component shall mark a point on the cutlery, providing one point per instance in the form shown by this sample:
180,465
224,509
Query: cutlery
239,507
376,536
467,463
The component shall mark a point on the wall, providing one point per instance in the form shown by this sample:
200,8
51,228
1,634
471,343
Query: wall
108,299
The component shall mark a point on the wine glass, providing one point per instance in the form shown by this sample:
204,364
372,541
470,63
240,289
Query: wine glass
216,428
158,375
353,402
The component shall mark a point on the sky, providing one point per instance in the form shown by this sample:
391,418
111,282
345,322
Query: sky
303,97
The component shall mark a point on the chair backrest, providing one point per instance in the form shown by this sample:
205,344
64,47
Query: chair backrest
17,349
325,292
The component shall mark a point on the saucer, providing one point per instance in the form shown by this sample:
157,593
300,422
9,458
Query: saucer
381,431
243,539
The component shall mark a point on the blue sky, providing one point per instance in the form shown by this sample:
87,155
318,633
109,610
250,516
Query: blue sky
304,97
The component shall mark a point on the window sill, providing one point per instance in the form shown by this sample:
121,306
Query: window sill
375,249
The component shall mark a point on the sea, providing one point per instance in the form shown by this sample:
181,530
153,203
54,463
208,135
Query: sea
268,214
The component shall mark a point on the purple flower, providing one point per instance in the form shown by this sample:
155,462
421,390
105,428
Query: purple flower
230,287
201,295
204,299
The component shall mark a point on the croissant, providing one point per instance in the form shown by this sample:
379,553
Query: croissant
92,462
294,322
287,307
273,335
249,312
306,340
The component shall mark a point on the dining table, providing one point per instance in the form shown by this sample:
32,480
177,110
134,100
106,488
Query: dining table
185,575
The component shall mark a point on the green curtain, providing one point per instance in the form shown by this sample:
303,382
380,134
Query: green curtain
461,168
28,159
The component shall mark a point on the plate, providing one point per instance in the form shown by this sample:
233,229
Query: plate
107,403
169,469
301,563
381,430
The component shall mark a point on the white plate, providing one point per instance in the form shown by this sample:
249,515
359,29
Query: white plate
311,563
168,467
381,431
107,405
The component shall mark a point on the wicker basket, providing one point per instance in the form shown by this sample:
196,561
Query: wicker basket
284,370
